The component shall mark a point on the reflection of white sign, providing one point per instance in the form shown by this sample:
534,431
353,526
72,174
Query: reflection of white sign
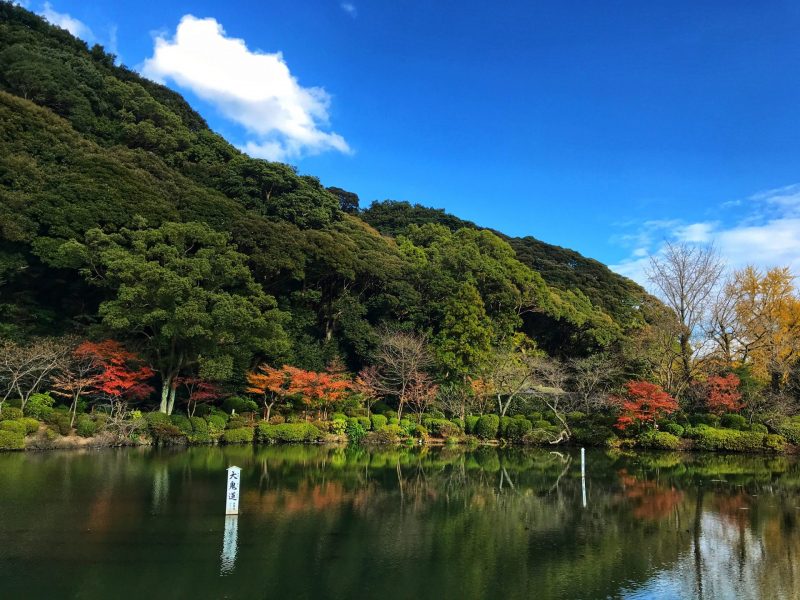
228,556
233,490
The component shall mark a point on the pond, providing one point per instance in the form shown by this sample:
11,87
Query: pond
321,522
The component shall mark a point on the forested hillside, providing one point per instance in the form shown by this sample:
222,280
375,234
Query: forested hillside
89,147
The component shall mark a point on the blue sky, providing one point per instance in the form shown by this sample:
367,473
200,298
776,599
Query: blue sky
607,127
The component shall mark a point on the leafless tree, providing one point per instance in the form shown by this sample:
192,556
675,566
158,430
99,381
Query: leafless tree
506,375
24,368
401,360
548,383
420,394
591,379
454,399
685,278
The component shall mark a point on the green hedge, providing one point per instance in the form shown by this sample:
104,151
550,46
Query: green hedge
39,406
710,438
287,432
378,421
660,440
11,440
788,428
470,421
13,426
487,426
11,413
441,427
517,429
216,423
242,435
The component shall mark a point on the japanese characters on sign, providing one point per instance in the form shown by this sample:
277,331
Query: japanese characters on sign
233,490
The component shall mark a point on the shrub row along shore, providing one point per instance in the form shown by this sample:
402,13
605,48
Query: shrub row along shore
53,428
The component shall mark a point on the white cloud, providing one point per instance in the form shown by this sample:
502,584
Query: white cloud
349,8
765,234
65,21
251,88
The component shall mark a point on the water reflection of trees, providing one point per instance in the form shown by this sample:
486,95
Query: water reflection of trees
333,522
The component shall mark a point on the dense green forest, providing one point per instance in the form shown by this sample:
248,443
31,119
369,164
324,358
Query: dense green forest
90,147
146,263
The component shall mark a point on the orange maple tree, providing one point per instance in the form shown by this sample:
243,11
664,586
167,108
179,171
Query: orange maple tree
723,394
642,404
270,383
318,390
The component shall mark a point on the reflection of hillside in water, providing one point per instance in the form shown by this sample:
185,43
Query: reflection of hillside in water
341,523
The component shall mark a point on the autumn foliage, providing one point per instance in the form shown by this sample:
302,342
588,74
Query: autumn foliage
317,390
643,403
119,373
723,395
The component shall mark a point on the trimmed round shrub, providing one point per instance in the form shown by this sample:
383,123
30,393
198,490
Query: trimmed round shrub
39,406
11,413
458,423
759,427
535,416
85,426
504,423
469,423
393,421
216,423
287,432
182,422
31,424
11,440
576,416
240,405
674,429
378,422
517,429
733,421
420,432
487,426
13,426
199,425
236,422
364,422
660,440
592,435
441,427
338,417
242,435
542,424
160,426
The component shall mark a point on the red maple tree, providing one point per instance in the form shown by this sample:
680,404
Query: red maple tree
199,391
316,390
121,374
642,404
723,394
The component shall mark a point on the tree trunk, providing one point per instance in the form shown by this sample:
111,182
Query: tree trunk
165,385
171,401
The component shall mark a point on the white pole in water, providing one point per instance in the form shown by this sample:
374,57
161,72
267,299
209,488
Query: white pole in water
583,475
233,487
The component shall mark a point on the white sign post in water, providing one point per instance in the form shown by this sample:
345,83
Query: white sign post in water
583,475
233,487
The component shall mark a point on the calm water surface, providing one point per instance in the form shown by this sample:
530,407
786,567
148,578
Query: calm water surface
321,522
